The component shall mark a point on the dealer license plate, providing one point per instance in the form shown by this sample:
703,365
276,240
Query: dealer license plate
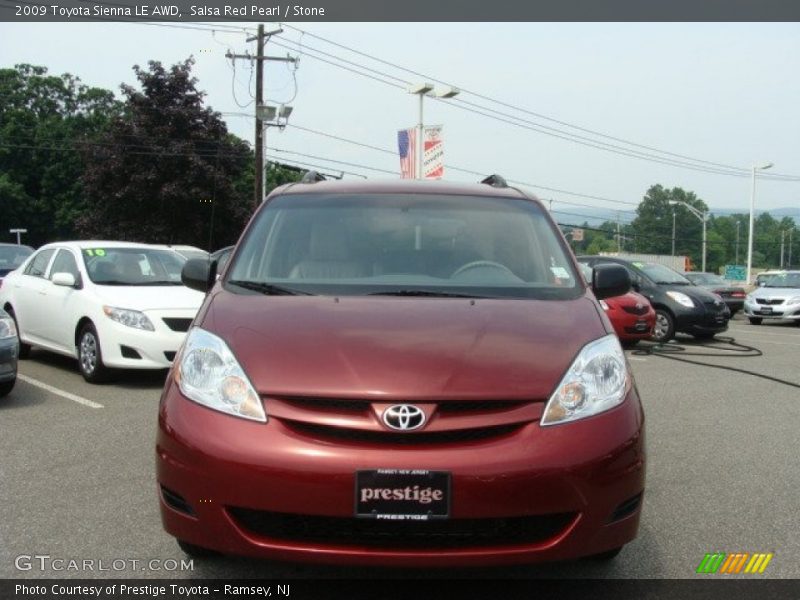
402,494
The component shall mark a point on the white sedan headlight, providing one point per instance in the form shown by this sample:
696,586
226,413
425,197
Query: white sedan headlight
597,381
208,373
794,300
7,328
130,318
681,299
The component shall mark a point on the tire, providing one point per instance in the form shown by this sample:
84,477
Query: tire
196,551
606,556
664,330
90,358
24,349
629,343
6,387
755,320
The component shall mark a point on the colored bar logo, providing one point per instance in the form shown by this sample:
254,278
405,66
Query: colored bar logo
735,563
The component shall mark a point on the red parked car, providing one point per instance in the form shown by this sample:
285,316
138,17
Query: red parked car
401,373
631,314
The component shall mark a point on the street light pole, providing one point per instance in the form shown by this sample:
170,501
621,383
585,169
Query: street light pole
422,90
737,241
703,216
752,213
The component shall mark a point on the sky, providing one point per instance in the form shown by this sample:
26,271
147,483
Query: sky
725,93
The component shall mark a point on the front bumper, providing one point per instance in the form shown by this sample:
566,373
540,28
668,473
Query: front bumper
221,476
701,319
629,326
125,347
782,312
8,359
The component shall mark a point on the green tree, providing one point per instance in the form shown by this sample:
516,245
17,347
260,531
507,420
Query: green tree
653,223
45,121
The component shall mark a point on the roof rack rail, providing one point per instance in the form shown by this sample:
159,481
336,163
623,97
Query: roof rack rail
312,177
495,181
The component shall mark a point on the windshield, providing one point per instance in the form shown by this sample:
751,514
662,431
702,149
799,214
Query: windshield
784,280
403,245
193,254
13,256
706,279
660,274
133,266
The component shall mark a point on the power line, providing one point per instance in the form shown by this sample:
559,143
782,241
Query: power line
743,171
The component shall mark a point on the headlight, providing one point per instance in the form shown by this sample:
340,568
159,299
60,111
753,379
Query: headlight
7,328
794,300
681,299
130,318
597,381
209,374
604,304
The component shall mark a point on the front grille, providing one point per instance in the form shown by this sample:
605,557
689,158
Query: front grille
177,324
713,306
437,533
770,301
642,310
337,404
450,436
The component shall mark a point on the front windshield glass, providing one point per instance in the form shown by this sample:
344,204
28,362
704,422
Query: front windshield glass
784,280
706,279
660,274
403,244
133,266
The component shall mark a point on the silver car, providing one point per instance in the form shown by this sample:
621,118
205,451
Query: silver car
777,299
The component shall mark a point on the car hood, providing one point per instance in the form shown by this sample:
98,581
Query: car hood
765,292
403,348
150,297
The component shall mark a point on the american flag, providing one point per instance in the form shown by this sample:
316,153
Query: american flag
407,145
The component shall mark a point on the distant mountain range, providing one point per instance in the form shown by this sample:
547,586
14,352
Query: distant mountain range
598,216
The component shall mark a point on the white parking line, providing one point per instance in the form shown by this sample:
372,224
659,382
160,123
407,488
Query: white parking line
58,392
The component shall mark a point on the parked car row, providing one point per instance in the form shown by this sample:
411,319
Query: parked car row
107,304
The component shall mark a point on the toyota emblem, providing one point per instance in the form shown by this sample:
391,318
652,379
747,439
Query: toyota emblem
404,417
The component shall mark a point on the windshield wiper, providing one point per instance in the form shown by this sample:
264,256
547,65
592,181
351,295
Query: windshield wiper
424,293
672,283
267,288
158,283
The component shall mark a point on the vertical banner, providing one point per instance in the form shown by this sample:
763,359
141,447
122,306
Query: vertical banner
407,147
433,159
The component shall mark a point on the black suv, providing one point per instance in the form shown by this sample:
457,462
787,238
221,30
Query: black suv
680,306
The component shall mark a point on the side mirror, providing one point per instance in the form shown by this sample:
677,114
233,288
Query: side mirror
64,279
199,274
610,280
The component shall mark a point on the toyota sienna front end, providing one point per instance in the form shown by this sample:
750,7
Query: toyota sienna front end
401,373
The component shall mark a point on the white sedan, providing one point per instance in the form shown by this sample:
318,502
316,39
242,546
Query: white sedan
108,304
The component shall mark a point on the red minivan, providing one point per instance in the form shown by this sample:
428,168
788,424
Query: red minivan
405,373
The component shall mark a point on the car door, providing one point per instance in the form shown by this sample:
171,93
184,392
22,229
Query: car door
63,303
29,294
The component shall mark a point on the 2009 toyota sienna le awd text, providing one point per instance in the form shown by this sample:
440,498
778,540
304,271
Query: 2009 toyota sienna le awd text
401,373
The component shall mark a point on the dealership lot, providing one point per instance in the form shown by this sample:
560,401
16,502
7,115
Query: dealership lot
78,471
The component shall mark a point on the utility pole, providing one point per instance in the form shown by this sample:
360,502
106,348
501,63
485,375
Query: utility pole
790,246
674,214
619,237
737,241
783,231
260,39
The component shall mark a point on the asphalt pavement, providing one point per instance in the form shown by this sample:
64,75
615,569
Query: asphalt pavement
77,475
